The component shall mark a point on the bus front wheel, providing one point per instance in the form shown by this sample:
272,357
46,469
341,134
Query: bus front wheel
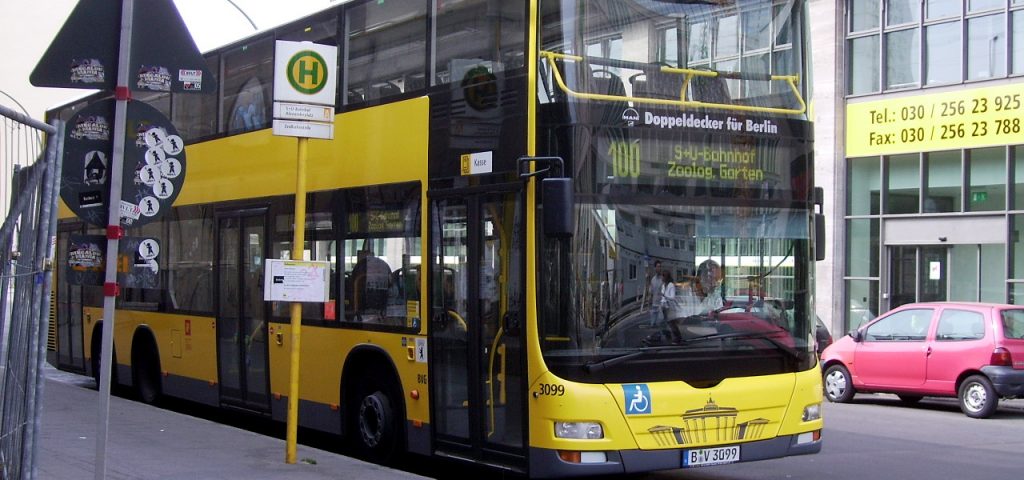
375,427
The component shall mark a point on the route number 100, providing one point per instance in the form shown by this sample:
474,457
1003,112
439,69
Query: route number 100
625,159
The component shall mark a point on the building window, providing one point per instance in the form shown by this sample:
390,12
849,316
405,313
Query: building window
1017,246
861,302
903,184
986,47
944,182
1018,41
903,66
864,16
862,237
864,65
901,12
957,45
987,179
935,9
863,186
1017,154
943,50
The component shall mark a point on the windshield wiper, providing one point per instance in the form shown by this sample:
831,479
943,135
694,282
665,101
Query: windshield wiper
755,335
603,364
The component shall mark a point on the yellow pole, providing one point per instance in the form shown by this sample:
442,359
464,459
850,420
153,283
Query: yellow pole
298,249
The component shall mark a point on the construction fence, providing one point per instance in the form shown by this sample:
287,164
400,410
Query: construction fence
30,183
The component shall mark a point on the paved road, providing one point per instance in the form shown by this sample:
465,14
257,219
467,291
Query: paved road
152,443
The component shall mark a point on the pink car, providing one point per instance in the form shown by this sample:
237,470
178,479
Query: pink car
972,351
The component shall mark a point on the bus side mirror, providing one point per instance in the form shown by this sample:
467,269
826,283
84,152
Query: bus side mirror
819,237
819,224
558,207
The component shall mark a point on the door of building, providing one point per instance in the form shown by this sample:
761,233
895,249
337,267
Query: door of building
939,259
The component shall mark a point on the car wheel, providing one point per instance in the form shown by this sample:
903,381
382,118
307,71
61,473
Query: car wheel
977,397
910,399
838,385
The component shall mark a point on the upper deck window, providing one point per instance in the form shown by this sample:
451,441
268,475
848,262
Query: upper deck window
387,50
624,45
248,86
478,33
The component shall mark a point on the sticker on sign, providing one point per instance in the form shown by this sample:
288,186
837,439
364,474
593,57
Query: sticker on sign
190,75
130,210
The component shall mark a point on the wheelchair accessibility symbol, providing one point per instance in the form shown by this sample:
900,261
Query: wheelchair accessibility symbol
637,398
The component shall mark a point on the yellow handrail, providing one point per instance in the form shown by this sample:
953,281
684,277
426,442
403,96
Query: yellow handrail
792,80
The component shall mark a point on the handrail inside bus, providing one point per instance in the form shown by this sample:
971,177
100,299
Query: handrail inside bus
689,73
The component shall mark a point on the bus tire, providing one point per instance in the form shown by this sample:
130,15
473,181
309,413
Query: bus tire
375,427
146,369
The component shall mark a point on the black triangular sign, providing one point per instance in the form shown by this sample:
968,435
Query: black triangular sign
84,52
164,56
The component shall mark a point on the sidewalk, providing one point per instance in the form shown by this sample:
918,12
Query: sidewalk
149,443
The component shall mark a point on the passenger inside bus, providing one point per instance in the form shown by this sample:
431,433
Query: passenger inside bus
371,279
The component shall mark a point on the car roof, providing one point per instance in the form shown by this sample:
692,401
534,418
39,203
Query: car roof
947,304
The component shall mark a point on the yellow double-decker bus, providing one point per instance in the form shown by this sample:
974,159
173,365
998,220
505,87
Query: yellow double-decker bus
565,237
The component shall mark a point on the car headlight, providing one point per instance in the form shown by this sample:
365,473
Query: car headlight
579,430
812,412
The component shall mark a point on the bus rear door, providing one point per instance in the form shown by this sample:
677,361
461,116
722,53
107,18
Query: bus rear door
241,311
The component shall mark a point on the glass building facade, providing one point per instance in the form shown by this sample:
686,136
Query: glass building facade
929,154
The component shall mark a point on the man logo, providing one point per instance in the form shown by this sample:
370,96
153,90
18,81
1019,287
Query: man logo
630,116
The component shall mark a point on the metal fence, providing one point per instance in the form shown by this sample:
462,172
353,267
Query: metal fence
26,246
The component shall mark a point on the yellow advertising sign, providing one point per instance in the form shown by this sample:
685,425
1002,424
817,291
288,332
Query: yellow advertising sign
979,117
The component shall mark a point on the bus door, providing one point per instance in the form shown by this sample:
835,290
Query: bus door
477,364
70,342
241,311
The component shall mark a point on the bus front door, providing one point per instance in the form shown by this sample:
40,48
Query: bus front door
477,364
241,311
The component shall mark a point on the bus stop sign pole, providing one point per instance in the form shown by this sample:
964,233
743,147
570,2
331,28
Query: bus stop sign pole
114,234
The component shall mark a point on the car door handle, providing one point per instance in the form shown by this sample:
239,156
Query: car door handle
928,350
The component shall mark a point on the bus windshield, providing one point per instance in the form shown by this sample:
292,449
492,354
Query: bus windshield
684,127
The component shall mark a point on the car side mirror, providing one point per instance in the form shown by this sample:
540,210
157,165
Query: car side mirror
857,335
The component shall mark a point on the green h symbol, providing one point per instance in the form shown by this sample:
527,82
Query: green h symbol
309,71
303,72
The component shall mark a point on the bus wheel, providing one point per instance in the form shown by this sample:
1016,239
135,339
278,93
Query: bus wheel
376,427
146,370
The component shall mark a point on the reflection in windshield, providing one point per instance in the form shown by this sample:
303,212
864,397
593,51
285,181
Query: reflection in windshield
651,277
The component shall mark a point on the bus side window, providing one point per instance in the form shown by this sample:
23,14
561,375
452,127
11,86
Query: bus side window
384,56
247,85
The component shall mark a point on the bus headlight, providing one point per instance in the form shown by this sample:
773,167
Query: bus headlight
812,412
579,430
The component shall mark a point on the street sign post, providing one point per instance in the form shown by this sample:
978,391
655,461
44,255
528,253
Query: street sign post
159,56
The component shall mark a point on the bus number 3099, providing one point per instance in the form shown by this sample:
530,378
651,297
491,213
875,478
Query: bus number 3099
552,389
